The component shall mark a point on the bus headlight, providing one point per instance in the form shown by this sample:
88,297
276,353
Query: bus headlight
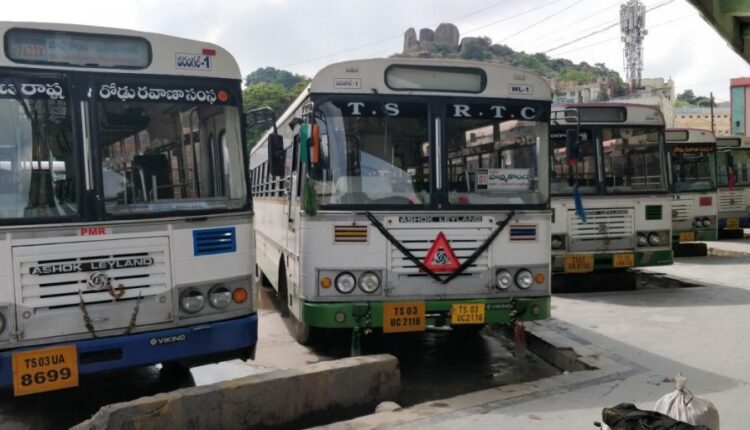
345,283
192,300
654,238
369,282
557,242
698,223
503,280
642,239
219,297
707,222
524,279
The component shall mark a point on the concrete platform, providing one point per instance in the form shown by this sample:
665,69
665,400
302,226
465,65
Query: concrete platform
637,340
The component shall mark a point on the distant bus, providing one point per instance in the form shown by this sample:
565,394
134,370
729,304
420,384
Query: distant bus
431,185
733,172
692,184
126,233
610,158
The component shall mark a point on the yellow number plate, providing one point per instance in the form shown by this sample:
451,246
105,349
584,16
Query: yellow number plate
733,223
467,313
403,317
579,263
623,260
687,236
46,369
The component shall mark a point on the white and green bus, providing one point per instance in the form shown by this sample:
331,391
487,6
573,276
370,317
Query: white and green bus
692,182
733,172
126,230
398,194
610,199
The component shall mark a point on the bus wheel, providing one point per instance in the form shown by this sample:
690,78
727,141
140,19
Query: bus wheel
306,334
282,294
467,329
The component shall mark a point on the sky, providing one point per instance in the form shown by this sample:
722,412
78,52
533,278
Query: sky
304,35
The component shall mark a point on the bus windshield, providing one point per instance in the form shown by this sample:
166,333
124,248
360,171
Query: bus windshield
371,156
692,170
737,160
170,153
565,171
632,159
38,177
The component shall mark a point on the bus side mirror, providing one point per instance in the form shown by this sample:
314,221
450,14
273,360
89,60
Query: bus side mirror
276,154
571,144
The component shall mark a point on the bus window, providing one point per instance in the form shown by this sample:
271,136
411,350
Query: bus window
373,153
169,170
501,157
632,159
582,172
38,178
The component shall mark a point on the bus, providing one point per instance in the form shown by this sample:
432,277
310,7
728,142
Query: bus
610,200
126,234
399,194
691,158
733,172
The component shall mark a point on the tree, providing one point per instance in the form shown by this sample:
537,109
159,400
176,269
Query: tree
687,96
271,75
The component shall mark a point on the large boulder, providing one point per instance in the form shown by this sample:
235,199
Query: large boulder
447,34
411,43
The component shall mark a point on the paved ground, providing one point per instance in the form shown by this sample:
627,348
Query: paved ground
638,340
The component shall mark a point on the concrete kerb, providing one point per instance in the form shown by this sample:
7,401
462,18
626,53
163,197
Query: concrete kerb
583,365
317,393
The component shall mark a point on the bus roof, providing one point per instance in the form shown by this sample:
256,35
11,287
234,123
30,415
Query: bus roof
688,136
606,113
166,52
403,75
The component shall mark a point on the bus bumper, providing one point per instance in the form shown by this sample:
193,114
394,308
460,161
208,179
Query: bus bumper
697,234
497,311
195,345
744,222
603,261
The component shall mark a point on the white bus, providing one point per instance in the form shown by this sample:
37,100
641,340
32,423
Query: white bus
692,172
610,200
733,172
126,232
431,185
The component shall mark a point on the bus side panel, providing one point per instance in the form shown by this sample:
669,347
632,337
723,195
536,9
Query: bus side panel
271,237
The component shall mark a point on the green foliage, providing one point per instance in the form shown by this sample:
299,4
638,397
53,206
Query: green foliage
688,97
477,49
271,75
578,76
275,95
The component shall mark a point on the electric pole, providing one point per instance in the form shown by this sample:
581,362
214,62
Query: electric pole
633,30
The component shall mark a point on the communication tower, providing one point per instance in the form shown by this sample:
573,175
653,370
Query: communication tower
633,30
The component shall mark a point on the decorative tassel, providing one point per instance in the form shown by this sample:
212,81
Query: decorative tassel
580,211
309,199
519,339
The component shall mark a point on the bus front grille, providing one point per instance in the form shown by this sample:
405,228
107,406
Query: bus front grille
419,241
682,210
108,276
731,201
607,223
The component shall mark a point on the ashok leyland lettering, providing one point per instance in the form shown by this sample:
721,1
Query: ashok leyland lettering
610,202
400,194
733,172
692,172
125,225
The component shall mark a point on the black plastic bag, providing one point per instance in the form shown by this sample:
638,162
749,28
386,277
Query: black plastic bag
626,416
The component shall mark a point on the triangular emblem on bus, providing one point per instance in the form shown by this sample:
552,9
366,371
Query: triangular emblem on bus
441,258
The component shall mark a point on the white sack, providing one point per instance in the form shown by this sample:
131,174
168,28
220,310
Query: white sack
682,405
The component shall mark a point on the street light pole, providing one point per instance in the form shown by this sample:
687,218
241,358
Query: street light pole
712,111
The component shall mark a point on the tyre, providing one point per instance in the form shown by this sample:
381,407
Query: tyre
283,295
305,334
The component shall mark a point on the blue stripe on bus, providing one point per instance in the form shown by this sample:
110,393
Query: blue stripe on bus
142,349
